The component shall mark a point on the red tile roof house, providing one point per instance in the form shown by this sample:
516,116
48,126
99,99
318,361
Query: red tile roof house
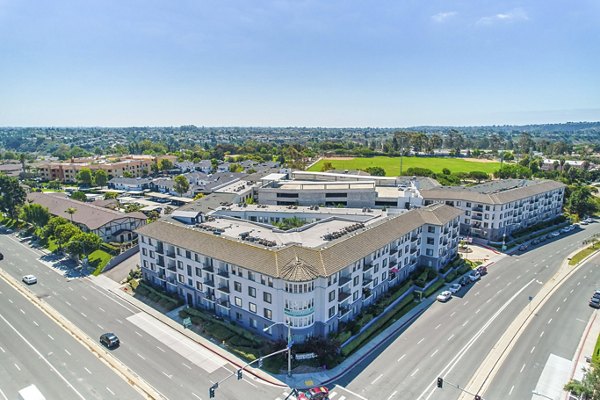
111,226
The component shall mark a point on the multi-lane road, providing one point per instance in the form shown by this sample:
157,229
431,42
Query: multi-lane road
448,340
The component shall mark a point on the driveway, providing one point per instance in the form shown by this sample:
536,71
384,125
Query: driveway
120,271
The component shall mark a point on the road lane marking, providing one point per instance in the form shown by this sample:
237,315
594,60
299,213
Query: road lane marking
54,293
557,309
17,367
452,315
391,395
87,370
42,357
466,322
35,323
511,389
550,320
532,349
564,300
83,297
403,355
70,288
376,379
3,395
419,342
67,303
83,315
137,333
434,353
110,391
585,277
477,312
571,292
2,349
160,349
488,300
119,321
519,277
465,303
100,326
50,337
451,336
101,309
578,283
196,396
168,376
522,368
22,312
187,366
140,356
542,334
11,302
414,372
67,351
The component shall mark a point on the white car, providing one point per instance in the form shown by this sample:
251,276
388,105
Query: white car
444,296
455,287
474,275
584,222
29,279
555,234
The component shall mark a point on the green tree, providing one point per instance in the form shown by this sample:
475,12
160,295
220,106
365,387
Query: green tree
478,176
84,177
64,233
35,214
100,177
165,164
375,171
110,195
446,171
580,201
12,196
83,244
182,185
71,211
327,166
589,387
79,196
50,228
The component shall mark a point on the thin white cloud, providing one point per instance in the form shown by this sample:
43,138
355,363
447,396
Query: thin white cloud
516,14
443,16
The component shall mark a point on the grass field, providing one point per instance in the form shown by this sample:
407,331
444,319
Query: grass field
391,165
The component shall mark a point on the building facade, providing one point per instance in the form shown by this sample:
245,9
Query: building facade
311,277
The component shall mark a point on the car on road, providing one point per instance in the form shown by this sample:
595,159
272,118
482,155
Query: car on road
474,275
29,279
482,270
455,287
444,296
316,393
595,302
464,281
110,340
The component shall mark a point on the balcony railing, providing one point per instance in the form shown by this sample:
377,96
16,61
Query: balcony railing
367,267
171,254
343,311
224,303
223,273
224,289
343,296
159,250
208,268
299,313
344,280
209,282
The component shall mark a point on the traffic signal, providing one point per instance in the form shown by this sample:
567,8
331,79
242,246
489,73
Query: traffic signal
477,397
440,382
260,362
239,374
211,392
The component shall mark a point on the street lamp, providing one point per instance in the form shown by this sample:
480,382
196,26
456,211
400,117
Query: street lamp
289,343
541,395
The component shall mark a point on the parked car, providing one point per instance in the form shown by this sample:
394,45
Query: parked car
523,247
444,296
555,234
110,340
535,241
316,393
595,302
596,295
584,222
474,275
1,256
464,281
455,287
482,270
29,279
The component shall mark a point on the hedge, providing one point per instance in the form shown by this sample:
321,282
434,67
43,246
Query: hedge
450,277
434,287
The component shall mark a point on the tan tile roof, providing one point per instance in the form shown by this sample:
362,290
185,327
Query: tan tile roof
492,197
294,262
93,217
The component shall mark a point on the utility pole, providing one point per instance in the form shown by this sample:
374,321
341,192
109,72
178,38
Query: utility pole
401,152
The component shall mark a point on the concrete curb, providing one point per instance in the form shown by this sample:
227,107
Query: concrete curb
144,388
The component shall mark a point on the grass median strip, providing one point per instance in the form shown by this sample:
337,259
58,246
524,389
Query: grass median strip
584,253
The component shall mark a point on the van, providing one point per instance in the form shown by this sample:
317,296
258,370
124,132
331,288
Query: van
30,392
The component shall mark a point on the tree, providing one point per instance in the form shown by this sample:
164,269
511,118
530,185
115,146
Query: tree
22,159
84,177
100,177
79,196
478,176
182,185
64,233
589,387
446,171
110,195
83,243
375,171
35,214
198,196
327,166
12,196
580,202
71,211
165,164
53,223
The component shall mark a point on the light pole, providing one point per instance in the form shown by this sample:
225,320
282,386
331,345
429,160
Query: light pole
541,395
289,343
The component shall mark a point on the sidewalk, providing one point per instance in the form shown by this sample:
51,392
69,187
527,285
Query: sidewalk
585,349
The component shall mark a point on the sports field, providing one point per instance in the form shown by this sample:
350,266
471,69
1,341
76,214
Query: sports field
391,165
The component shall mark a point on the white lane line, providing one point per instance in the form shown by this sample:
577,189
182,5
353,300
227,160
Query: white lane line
67,303
83,315
196,396
519,277
542,334
451,336
465,303
414,372
532,349
100,326
488,300
83,297
101,309
420,341
391,395
466,322
2,393
2,349
168,376
578,283
110,391
438,325
477,294
41,356
477,312
35,323
557,309
571,292
16,366
452,315
187,366
160,349
403,355
522,368
376,379
511,390
119,321
564,300
54,293
434,353
11,302
70,288
67,351
50,337
87,370
22,312
488,285
137,333
550,320
585,277
140,356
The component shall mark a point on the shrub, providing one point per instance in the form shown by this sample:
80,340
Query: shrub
433,288
450,277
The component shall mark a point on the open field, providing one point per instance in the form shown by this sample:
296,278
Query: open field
391,165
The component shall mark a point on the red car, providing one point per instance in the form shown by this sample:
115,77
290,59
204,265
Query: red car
316,393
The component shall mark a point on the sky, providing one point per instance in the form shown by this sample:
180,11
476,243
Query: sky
313,63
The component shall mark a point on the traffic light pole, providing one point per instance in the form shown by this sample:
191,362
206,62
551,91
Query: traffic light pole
441,381
238,372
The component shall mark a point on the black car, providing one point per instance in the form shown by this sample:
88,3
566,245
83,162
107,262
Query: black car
1,256
110,340
464,281
595,302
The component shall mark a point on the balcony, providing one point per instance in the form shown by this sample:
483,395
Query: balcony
208,268
161,262
223,288
159,250
162,276
299,313
223,273
224,303
367,267
170,254
343,295
393,250
171,267
344,280
413,250
209,282
477,209
367,281
414,238
343,311
210,297
367,293
172,281
477,217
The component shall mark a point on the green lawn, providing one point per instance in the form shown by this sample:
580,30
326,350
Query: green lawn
584,253
391,165
97,260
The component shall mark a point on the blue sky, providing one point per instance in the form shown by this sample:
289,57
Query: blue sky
333,63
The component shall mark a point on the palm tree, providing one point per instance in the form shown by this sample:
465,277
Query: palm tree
71,211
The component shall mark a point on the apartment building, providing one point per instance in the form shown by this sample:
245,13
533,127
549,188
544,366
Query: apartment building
311,277
495,209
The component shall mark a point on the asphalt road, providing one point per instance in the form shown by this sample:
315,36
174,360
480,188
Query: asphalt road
452,339
556,329
34,349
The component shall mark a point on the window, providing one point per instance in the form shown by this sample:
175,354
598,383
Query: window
237,286
270,282
189,270
431,229
355,281
179,265
238,302
430,240
145,264
268,314
429,252
355,296
332,295
331,311
188,254
252,307
383,276
199,286
251,276
267,297
180,278
251,291
144,251
198,272
253,323
468,204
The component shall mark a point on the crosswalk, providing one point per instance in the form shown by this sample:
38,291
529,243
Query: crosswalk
333,395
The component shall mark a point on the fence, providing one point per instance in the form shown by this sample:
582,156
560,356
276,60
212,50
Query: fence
124,255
